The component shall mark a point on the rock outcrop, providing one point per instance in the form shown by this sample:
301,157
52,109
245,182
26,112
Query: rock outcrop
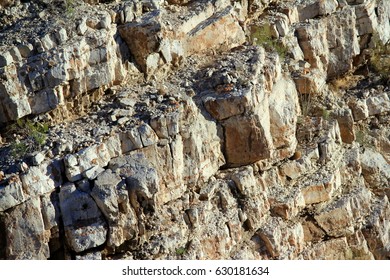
194,130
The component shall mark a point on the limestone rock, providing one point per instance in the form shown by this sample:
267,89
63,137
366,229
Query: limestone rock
42,179
284,109
377,232
378,104
11,194
375,170
25,233
84,224
321,186
345,120
339,217
247,139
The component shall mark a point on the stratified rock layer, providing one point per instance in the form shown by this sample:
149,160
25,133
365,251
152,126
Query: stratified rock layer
178,132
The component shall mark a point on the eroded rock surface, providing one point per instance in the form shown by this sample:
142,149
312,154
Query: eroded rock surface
194,130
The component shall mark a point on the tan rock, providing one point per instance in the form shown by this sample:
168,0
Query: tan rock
246,140
321,187
340,217
25,233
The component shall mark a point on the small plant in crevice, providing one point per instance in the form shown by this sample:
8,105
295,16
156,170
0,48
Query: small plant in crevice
32,137
181,251
325,114
379,59
362,137
306,103
69,7
262,36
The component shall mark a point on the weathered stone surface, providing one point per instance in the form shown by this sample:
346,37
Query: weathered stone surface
84,225
345,120
342,216
278,236
359,109
321,186
220,30
141,178
25,233
378,104
333,249
318,42
42,179
104,194
84,160
284,109
47,78
375,170
247,139
224,106
11,194
377,229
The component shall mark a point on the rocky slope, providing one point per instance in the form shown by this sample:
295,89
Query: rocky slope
195,129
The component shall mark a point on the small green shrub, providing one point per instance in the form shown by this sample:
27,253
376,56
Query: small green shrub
262,36
380,57
33,135
306,103
69,7
325,114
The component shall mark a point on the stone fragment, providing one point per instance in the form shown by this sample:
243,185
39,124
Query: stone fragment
93,172
342,216
279,237
159,125
42,179
224,106
37,159
378,104
147,134
61,36
11,194
113,144
321,186
246,139
359,109
375,170
284,111
5,58
84,224
82,26
25,232
219,31
50,211
345,120
333,249
377,229
25,49
130,140
105,195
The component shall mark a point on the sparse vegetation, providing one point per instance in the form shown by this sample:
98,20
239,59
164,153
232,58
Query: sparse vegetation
262,36
69,7
380,57
325,114
362,137
180,251
306,104
32,134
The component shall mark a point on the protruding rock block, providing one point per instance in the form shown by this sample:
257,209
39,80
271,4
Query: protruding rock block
84,224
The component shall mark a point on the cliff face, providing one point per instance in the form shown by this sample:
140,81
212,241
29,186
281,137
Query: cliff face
195,130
